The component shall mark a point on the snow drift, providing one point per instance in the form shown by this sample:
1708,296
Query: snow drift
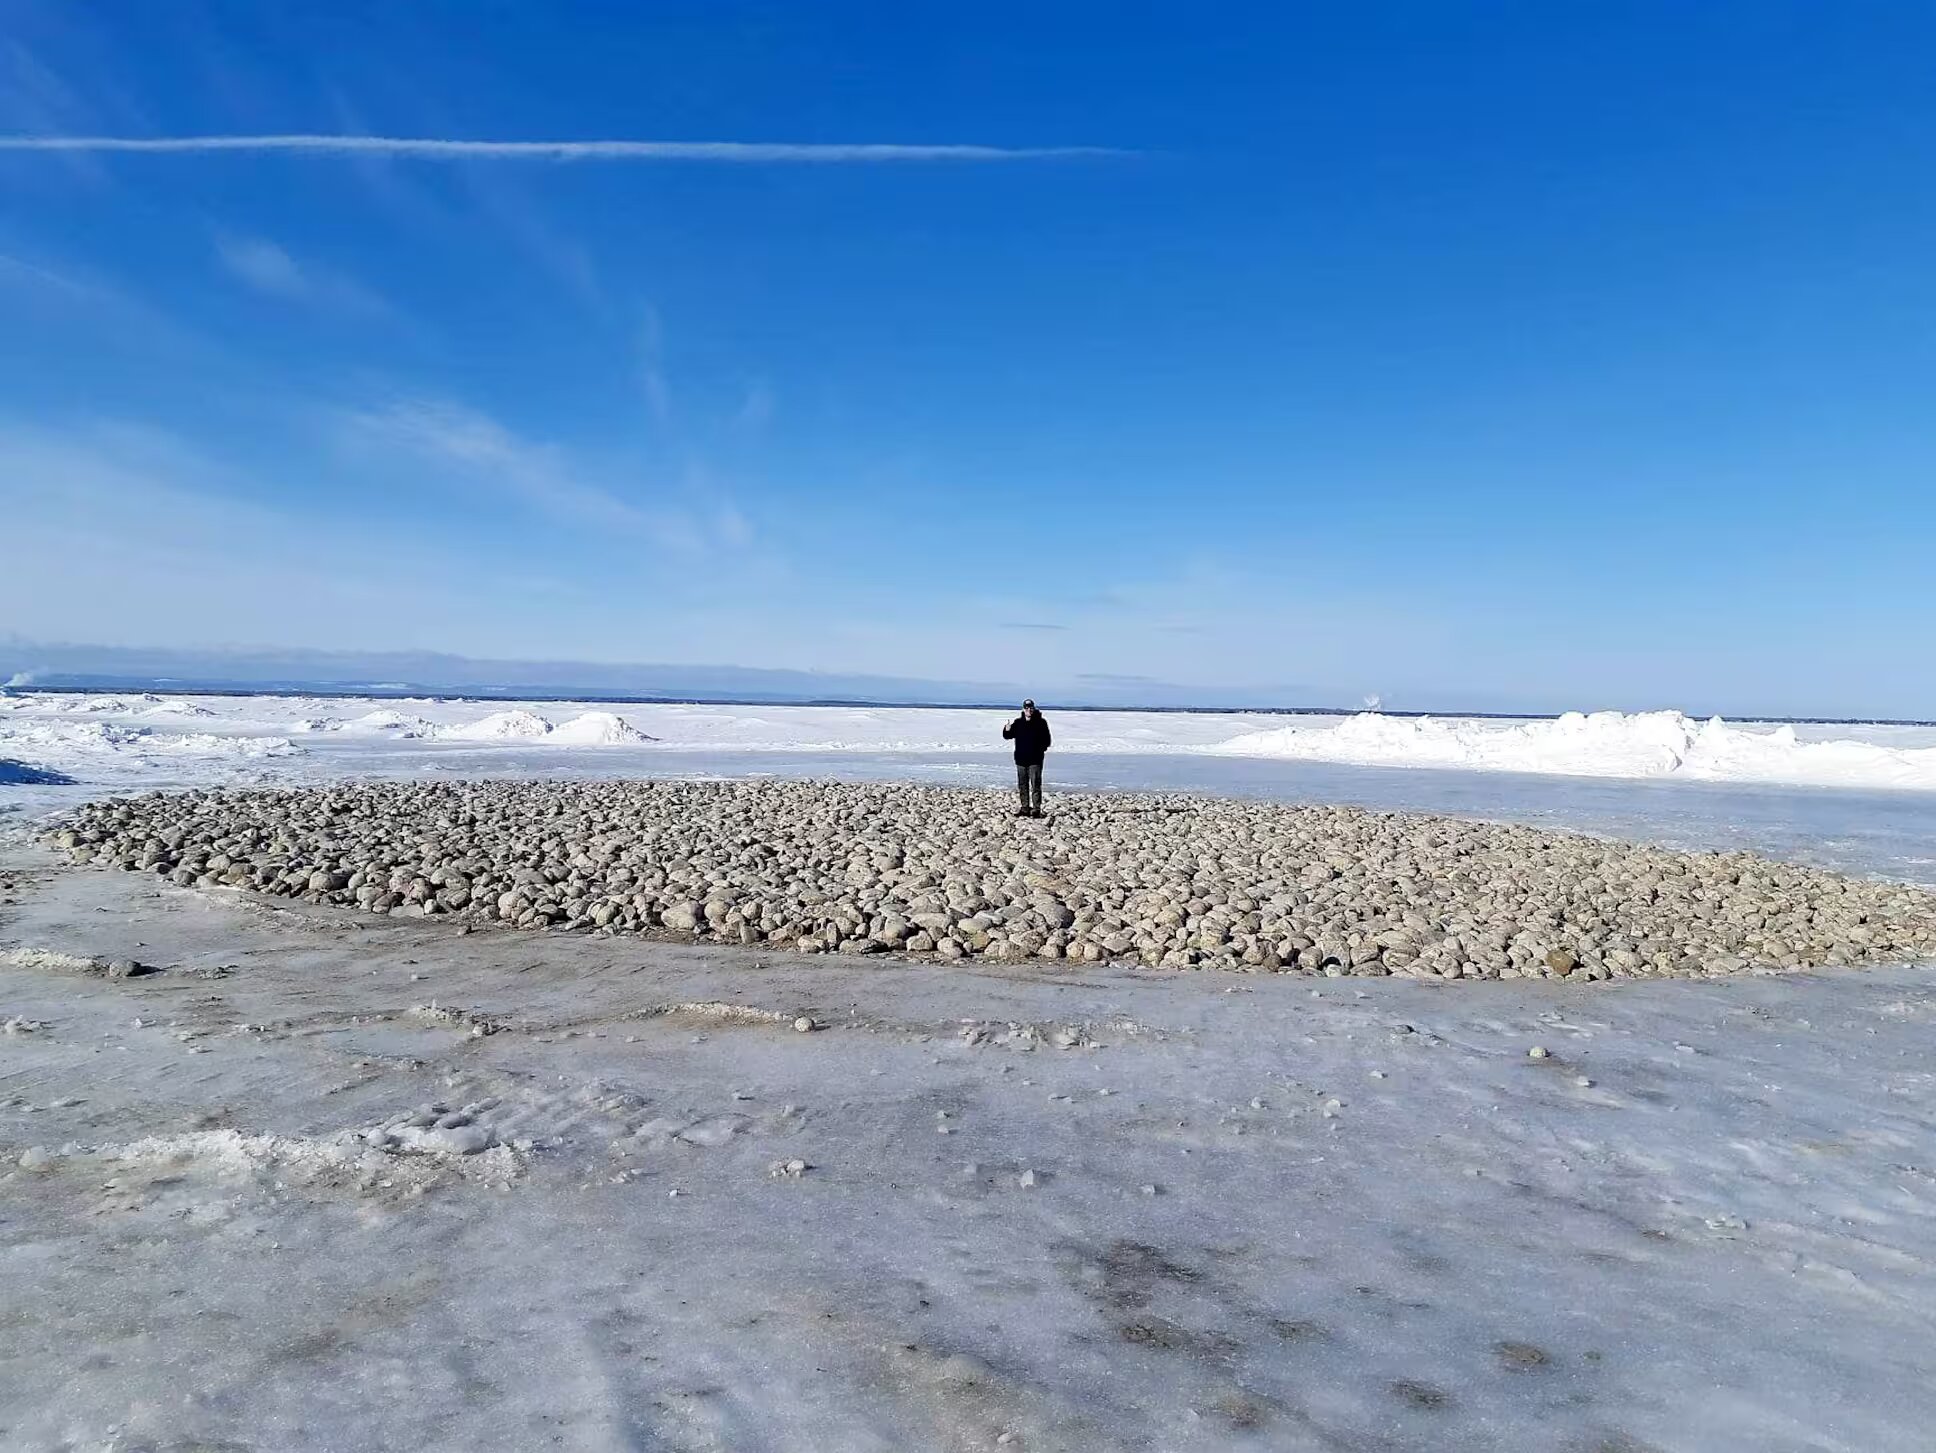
387,719
500,726
597,729
590,729
1602,744
134,753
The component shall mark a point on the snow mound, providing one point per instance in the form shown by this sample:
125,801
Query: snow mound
1597,744
598,729
591,729
207,744
517,725
386,720
177,707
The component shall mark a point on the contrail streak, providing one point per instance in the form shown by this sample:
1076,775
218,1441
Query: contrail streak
444,149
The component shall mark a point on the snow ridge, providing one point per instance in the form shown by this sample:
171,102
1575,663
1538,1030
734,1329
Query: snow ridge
1599,744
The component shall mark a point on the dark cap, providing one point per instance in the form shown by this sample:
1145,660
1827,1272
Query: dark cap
1028,703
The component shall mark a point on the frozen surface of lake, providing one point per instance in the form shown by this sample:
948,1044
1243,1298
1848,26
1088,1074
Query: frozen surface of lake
1233,1212
1080,1210
137,736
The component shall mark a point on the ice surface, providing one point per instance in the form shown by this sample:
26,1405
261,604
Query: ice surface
269,1196
264,1198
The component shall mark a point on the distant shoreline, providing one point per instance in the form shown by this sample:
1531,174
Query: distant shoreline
403,692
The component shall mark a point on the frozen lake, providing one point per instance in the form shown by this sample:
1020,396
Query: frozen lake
1258,1212
1234,1212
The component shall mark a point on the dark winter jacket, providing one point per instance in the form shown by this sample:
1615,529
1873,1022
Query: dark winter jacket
1031,738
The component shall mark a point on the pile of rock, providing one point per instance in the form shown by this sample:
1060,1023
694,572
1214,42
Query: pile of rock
1159,879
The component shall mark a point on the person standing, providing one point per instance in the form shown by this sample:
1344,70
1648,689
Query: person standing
1030,733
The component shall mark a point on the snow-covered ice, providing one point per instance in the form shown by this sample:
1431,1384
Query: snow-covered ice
51,731
266,1196
112,751
330,1181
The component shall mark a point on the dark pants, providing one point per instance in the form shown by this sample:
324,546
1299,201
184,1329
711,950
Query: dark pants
1028,783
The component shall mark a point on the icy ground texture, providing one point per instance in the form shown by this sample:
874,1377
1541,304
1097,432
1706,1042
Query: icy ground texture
1178,881
181,739
1083,1210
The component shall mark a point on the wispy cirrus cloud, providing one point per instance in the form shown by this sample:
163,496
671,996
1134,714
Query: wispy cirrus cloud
437,148
547,477
268,268
32,274
468,439
652,372
262,265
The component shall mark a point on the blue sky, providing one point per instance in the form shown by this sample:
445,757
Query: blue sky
1489,355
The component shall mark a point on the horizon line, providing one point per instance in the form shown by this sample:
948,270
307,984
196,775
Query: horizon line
452,149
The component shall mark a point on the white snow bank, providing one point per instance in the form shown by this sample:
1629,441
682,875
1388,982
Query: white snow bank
589,729
208,744
597,729
132,751
175,707
1602,744
385,719
517,725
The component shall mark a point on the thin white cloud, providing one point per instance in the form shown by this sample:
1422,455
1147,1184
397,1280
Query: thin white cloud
432,148
97,304
263,266
12,269
464,438
476,447
652,374
269,269
183,543
755,410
